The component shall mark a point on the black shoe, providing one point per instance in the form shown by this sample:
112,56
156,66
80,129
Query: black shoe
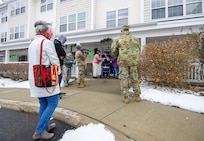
62,93
94,77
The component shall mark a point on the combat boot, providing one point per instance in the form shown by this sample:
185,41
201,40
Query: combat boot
78,85
137,98
44,135
125,99
82,85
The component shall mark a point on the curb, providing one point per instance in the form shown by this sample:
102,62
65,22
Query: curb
69,117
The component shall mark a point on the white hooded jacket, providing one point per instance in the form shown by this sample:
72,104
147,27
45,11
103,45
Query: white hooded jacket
49,56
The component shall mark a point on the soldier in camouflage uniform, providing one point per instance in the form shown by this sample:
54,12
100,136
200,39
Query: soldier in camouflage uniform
127,48
80,57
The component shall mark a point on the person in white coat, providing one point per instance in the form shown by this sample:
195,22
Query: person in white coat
48,99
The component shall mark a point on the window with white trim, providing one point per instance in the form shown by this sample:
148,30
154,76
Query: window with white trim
193,7
17,7
46,5
81,19
111,19
158,9
174,8
117,18
73,22
17,32
4,17
122,17
3,37
63,24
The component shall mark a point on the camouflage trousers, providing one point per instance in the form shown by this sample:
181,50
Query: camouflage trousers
127,75
81,75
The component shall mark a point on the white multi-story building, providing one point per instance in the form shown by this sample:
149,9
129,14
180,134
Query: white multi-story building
88,22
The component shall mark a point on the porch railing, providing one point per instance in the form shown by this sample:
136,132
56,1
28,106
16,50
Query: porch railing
195,73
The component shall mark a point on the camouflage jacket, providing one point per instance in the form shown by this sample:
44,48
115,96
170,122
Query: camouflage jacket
80,57
127,48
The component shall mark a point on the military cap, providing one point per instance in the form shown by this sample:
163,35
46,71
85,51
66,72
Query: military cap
125,27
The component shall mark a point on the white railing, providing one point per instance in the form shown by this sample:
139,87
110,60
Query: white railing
195,73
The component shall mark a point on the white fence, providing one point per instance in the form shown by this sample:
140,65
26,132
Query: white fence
195,73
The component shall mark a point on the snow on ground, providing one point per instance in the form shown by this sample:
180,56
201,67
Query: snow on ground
178,98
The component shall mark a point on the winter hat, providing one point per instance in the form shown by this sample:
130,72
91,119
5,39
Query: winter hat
62,38
78,47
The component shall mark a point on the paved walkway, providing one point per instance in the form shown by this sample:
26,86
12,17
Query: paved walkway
100,102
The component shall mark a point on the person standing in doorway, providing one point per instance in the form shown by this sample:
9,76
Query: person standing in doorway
80,57
96,64
127,49
48,101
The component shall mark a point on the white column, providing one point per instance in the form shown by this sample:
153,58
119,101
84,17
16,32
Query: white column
7,56
143,42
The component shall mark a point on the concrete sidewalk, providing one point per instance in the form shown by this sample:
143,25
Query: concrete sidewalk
100,102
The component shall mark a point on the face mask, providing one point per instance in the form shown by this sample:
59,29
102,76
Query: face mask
48,34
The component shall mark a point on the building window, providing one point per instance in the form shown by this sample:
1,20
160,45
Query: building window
17,8
4,17
63,24
11,33
111,19
122,17
193,7
81,21
17,32
158,9
175,8
3,37
73,22
117,18
46,5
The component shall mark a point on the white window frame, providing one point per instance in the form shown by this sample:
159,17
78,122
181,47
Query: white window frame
3,37
117,18
4,17
17,32
46,5
81,21
73,22
17,8
196,5
63,24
